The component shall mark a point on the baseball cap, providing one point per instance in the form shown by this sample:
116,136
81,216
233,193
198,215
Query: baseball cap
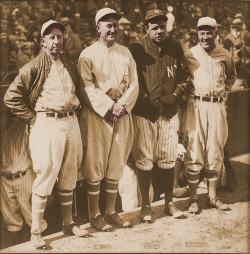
49,24
104,12
207,21
154,13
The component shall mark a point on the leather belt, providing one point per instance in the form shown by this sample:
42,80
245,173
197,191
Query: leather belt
208,99
13,176
60,114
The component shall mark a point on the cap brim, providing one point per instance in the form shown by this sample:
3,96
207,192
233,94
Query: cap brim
156,17
57,25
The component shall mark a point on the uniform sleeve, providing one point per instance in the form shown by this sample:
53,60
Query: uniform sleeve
16,97
230,73
97,99
129,97
184,75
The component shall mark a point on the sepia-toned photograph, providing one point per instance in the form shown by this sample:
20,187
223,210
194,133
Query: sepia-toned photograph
124,126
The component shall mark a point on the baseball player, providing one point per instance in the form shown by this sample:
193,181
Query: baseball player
205,127
163,79
16,179
43,95
109,79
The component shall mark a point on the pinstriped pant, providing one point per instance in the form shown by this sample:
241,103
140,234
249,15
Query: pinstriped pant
155,142
15,200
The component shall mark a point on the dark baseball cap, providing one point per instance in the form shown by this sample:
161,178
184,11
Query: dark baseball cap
155,13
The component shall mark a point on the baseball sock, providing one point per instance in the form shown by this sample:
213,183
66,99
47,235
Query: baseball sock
66,200
193,182
168,181
111,188
93,189
211,185
38,204
144,178
157,183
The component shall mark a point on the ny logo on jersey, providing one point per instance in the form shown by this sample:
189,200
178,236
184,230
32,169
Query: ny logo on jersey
170,70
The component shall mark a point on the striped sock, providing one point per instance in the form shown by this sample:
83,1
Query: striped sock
111,188
66,201
38,205
193,182
93,189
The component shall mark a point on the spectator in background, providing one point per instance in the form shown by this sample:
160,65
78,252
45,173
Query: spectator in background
25,53
73,44
170,19
233,42
123,33
5,54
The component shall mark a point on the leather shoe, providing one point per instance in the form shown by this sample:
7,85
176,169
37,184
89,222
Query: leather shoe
116,220
193,207
172,210
38,242
74,229
100,224
216,203
146,214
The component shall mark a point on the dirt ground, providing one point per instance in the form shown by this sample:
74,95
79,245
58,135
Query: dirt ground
211,231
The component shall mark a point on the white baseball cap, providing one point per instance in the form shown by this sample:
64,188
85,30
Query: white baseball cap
49,24
106,11
207,21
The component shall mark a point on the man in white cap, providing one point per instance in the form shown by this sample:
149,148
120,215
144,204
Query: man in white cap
109,79
205,127
44,96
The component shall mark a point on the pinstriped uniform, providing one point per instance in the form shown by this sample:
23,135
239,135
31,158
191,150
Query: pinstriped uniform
16,194
155,142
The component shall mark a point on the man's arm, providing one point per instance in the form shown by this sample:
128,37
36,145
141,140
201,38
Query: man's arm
129,97
96,98
17,97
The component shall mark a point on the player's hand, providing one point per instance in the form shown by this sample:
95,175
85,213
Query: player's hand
118,110
181,151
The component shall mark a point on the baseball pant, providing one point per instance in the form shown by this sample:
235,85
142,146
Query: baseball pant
106,146
15,200
205,135
56,152
155,142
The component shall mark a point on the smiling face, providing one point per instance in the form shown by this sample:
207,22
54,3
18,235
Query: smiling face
156,30
206,36
108,30
53,42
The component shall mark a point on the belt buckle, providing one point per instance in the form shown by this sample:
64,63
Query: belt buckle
211,99
200,98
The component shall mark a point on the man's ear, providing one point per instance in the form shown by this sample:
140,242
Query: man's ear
42,42
97,27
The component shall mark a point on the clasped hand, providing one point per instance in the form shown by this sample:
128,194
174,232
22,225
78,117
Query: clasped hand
116,112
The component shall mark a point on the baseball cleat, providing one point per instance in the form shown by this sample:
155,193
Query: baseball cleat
194,207
146,214
218,204
100,224
38,242
172,210
74,229
116,220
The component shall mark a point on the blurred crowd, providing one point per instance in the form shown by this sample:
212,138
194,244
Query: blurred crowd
21,22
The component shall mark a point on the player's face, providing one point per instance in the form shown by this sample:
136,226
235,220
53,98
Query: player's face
108,29
206,36
53,42
156,30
